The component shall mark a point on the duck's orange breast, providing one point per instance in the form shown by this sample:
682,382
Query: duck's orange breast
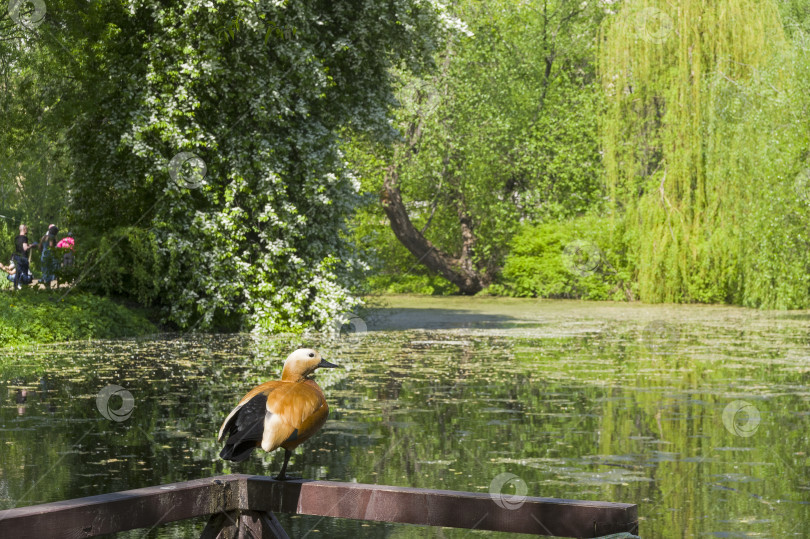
304,408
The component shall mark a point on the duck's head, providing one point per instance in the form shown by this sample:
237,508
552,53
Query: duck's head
302,363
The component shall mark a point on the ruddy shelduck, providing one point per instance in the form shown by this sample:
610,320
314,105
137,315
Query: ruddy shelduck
277,414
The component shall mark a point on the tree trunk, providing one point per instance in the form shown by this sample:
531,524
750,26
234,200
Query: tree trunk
458,271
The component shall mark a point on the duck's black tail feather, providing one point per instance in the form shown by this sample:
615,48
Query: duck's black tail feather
245,430
239,451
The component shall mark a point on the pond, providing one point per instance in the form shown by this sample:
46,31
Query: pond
699,414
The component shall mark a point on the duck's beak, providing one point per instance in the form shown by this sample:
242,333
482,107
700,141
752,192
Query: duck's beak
326,365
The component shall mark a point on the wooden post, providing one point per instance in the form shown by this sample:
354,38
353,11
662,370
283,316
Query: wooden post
261,525
244,525
222,526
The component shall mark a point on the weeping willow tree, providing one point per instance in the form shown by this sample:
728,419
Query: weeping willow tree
704,146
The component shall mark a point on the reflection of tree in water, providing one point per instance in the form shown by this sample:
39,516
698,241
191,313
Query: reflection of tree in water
393,385
573,416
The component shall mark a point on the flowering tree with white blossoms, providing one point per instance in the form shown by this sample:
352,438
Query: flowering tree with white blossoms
206,142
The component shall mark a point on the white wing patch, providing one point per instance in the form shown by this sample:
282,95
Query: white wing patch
221,435
272,424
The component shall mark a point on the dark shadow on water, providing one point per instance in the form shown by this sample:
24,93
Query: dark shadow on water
400,319
793,316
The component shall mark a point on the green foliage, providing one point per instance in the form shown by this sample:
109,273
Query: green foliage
33,161
258,92
704,158
126,262
505,129
580,258
431,285
697,132
35,316
7,234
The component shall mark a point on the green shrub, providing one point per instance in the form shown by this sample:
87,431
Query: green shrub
581,258
432,285
126,263
36,316
7,234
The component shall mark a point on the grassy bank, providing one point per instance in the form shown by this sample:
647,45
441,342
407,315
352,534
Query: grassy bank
39,316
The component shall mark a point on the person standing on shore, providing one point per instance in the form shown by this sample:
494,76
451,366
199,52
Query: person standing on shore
67,243
49,262
21,251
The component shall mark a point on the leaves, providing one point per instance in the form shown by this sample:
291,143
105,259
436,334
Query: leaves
504,130
257,97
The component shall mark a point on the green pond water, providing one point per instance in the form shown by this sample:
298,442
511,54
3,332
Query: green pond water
700,415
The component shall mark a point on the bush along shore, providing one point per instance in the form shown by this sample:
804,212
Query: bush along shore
39,316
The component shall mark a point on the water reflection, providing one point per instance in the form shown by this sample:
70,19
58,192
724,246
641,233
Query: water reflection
22,393
575,400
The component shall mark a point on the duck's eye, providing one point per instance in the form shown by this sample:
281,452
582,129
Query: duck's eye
312,354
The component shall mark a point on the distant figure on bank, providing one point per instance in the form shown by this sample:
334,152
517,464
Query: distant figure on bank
22,250
49,261
67,243
25,278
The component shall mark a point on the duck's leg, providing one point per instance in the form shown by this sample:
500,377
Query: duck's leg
282,475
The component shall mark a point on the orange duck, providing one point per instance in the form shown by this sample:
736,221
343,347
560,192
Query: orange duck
278,414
